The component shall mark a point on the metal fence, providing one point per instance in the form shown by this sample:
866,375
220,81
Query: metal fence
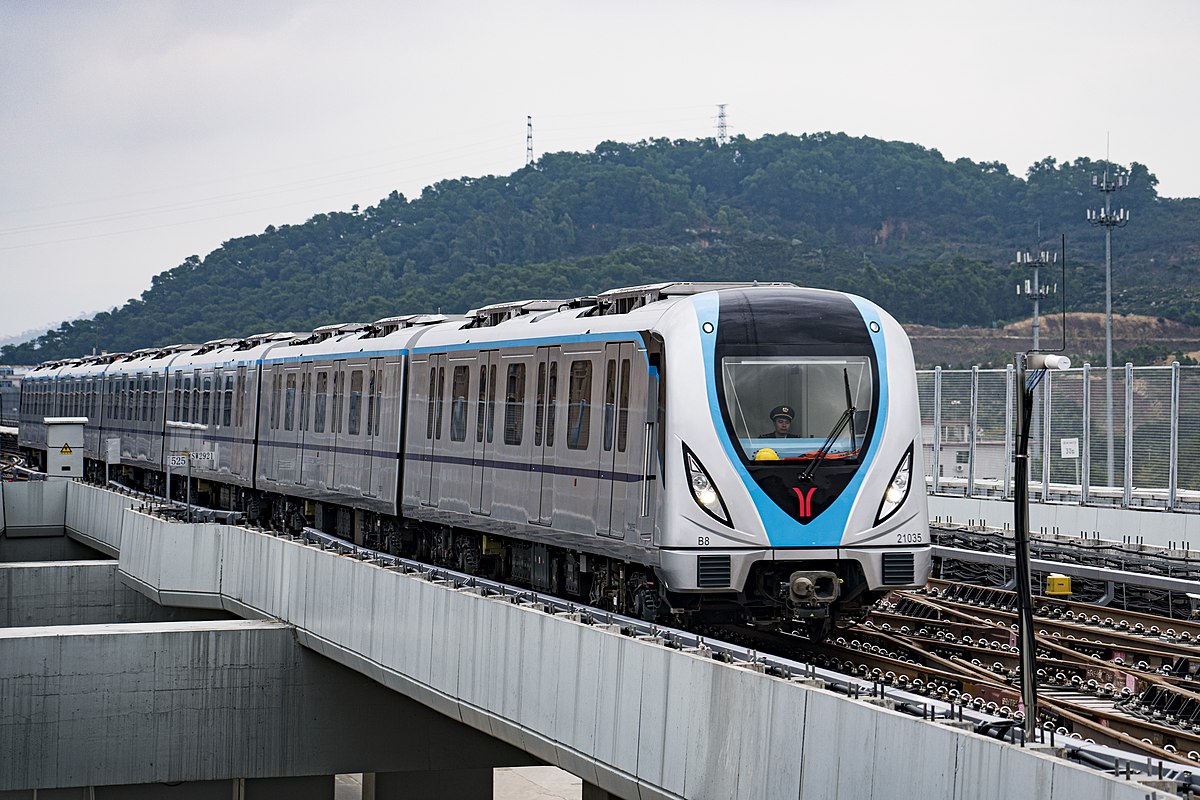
1144,453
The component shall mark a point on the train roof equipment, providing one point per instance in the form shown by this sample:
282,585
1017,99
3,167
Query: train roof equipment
622,301
392,324
491,315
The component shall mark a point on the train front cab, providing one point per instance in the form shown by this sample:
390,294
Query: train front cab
816,522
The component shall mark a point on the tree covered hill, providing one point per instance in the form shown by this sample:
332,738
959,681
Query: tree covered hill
929,239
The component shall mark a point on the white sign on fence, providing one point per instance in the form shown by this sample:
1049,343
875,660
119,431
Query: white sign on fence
1070,447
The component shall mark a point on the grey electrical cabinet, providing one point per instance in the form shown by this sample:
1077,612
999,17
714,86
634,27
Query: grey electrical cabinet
64,446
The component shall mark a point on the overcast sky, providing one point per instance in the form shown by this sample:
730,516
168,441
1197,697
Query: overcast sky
134,134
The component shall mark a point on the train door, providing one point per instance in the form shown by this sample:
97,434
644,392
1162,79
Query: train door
418,436
371,438
435,413
244,426
337,425
621,444
545,418
273,382
485,426
288,436
302,423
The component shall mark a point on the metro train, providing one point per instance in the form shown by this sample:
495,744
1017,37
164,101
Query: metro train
621,448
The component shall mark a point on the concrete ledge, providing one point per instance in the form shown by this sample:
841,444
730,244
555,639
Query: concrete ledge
1159,528
633,718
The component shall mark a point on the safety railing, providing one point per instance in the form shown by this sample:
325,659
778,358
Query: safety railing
1129,439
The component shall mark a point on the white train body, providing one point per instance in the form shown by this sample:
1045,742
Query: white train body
618,442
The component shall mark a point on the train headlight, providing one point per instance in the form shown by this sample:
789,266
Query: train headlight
897,490
704,491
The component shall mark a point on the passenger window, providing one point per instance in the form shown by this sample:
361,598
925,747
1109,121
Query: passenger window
579,412
623,405
514,404
196,397
441,394
321,399
227,418
335,424
241,394
552,413
371,406
481,411
206,399
378,402
356,382
304,401
289,406
218,398
430,411
610,399
187,398
539,412
458,404
491,410
276,387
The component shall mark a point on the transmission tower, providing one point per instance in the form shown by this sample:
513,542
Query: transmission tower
1109,219
1035,290
529,141
722,133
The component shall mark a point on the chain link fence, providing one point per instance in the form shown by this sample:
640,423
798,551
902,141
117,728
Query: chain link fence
1129,439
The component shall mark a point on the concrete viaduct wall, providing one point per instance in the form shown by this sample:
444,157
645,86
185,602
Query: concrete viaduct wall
38,594
104,705
628,716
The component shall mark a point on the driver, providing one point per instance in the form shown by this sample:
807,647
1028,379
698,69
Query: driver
782,416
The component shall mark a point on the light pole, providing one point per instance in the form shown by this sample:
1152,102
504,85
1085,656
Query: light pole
1109,219
1037,363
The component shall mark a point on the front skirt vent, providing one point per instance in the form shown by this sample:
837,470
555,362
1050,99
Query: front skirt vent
712,572
898,569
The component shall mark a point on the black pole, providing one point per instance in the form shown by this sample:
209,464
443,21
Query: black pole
1021,531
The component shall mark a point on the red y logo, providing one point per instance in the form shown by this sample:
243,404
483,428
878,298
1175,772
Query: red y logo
805,499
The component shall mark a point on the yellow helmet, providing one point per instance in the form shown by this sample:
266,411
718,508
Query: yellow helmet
766,454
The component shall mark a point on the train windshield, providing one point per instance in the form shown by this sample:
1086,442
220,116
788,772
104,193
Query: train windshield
786,408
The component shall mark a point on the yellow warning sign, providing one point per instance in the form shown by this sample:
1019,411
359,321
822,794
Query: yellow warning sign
66,450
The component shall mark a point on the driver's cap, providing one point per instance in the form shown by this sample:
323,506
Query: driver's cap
783,411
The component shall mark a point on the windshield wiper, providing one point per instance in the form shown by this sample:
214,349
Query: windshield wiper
847,417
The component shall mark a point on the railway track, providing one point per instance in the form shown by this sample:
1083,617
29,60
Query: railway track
1122,679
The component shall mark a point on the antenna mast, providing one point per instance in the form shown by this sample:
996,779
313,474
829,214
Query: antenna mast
722,133
1109,219
1035,290
529,141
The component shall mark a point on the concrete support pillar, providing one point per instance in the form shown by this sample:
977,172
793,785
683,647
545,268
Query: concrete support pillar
461,784
315,787
593,792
